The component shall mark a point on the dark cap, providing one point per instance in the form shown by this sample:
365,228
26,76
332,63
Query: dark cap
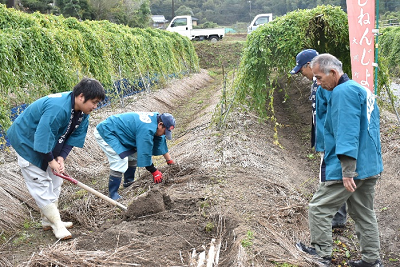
302,58
169,123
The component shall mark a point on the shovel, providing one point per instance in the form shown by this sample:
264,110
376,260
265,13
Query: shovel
89,189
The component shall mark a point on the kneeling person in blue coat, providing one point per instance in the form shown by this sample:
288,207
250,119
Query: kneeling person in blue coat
130,140
43,135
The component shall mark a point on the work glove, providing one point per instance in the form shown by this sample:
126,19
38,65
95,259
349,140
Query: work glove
157,177
170,162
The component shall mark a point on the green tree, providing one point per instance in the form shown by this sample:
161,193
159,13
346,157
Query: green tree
134,13
231,11
101,8
140,17
390,5
302,4
75,8
209,5
43,6
72,8
184,10
161,7
10,3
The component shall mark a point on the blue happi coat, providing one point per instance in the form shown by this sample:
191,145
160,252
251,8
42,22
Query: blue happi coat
352,129
131,132
39,128
322,97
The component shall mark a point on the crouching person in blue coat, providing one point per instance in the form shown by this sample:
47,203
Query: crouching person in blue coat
43,135
130,140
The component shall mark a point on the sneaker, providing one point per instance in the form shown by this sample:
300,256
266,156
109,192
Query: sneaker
361,263
309,250
321,261
127,184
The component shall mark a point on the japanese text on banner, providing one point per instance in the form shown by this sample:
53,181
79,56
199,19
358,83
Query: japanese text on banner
361,16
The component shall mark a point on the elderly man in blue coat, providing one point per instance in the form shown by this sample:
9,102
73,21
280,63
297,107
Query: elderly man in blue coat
353,164
43,135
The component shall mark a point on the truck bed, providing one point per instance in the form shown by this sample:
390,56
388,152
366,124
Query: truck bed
208,32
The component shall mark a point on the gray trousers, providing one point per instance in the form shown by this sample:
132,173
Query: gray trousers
326,202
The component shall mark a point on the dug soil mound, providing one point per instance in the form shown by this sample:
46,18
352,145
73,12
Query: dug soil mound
235,197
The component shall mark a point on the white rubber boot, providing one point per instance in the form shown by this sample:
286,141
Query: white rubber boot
46,225
53,215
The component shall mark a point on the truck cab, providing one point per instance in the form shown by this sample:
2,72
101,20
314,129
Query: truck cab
258,20
181,25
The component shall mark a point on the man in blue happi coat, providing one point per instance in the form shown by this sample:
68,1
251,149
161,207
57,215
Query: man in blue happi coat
319,99
43,136
130,140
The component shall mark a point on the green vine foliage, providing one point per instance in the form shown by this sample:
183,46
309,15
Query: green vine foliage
270,52
42,54
389,48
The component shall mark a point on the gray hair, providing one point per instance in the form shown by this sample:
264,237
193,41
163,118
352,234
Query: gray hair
326,63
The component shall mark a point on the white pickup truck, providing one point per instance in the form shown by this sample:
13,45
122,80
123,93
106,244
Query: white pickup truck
184,26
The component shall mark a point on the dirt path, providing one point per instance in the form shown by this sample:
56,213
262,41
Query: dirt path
232,190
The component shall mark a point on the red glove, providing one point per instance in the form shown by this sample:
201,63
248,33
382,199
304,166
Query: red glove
157,177
170,162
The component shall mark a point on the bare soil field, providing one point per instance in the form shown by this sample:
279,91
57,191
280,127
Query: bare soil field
234,197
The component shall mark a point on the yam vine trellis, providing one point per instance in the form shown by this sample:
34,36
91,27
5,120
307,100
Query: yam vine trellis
42,54
270,52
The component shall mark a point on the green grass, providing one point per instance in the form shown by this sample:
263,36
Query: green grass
247,242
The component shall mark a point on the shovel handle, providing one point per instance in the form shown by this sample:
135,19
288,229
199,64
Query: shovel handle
66,177
89,189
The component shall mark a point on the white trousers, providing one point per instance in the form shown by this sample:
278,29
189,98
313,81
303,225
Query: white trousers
116,163
44,186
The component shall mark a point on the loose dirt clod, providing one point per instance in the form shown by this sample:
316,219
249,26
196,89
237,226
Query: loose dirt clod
150,202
